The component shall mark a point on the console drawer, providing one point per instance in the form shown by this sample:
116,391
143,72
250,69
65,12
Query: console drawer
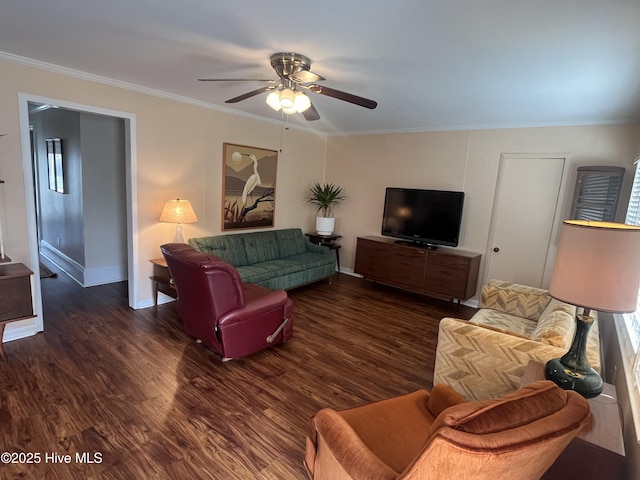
449,260
372,258
446,280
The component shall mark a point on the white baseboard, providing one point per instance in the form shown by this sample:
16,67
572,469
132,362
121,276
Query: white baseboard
101,275
70,266
349,271
87,277
162,299
12,332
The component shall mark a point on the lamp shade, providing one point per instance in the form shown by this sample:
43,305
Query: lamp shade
597,266
178,211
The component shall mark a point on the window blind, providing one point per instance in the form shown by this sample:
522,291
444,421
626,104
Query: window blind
632,320
596,193
630,345
633,210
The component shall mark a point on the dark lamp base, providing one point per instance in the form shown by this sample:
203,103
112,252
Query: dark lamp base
587,383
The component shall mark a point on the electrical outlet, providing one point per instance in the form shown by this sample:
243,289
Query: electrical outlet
58,241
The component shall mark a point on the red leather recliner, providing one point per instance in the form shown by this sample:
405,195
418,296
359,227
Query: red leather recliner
234,318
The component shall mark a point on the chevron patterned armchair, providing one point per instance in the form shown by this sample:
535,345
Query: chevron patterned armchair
486,356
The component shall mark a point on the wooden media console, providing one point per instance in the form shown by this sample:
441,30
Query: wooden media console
443,273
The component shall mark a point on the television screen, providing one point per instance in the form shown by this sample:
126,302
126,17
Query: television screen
430,217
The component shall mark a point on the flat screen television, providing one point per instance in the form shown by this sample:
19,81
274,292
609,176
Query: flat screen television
423,217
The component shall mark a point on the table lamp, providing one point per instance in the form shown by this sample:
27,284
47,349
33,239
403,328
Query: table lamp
597,267
178,211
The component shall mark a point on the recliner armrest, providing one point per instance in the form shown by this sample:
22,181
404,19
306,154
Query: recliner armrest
255,308
340,453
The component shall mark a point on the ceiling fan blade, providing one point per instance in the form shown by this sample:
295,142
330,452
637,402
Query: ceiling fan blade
305,76
250,94
347,97
236,80
311,114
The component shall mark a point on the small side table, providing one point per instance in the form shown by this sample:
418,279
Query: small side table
162,281
330,241
15,296
598,450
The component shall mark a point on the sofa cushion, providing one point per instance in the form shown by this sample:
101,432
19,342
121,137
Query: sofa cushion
504,322
229,248
254,273
260,247
311,260
515,299
279,267
556,326
291,241
530,403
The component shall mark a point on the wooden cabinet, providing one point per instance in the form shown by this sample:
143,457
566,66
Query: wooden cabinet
372,258
162,281
15,296
449,274
444,273
407,266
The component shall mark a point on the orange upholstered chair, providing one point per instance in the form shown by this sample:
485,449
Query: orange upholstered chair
438,435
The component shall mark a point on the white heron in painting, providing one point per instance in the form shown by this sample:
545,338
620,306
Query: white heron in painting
253,181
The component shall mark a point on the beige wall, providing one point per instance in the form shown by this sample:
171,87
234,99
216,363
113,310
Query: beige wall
463,160
179,154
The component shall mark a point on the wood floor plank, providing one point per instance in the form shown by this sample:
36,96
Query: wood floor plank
132,389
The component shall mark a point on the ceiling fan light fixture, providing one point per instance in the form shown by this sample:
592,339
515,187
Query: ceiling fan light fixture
287,98
302,102
273,100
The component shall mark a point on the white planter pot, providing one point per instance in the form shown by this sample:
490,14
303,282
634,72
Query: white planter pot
324,225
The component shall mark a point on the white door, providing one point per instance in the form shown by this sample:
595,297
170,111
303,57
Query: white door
524,214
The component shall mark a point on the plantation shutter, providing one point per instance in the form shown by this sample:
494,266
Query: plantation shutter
629,334
633,210
633,218
596,193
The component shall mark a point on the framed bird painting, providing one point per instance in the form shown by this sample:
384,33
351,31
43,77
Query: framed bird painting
249,187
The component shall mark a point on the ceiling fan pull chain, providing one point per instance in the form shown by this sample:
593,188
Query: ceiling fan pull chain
284,125
281,128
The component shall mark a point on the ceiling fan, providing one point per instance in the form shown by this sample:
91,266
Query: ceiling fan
286,92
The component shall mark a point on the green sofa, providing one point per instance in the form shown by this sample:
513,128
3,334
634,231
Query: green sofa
274,259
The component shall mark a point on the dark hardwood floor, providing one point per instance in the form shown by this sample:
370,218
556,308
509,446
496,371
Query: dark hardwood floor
130,391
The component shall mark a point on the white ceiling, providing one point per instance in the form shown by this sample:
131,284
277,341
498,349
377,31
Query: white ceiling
430,64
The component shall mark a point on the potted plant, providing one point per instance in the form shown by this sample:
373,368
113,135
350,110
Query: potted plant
324,197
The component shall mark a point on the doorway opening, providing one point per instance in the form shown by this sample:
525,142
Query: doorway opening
79,183
97,117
